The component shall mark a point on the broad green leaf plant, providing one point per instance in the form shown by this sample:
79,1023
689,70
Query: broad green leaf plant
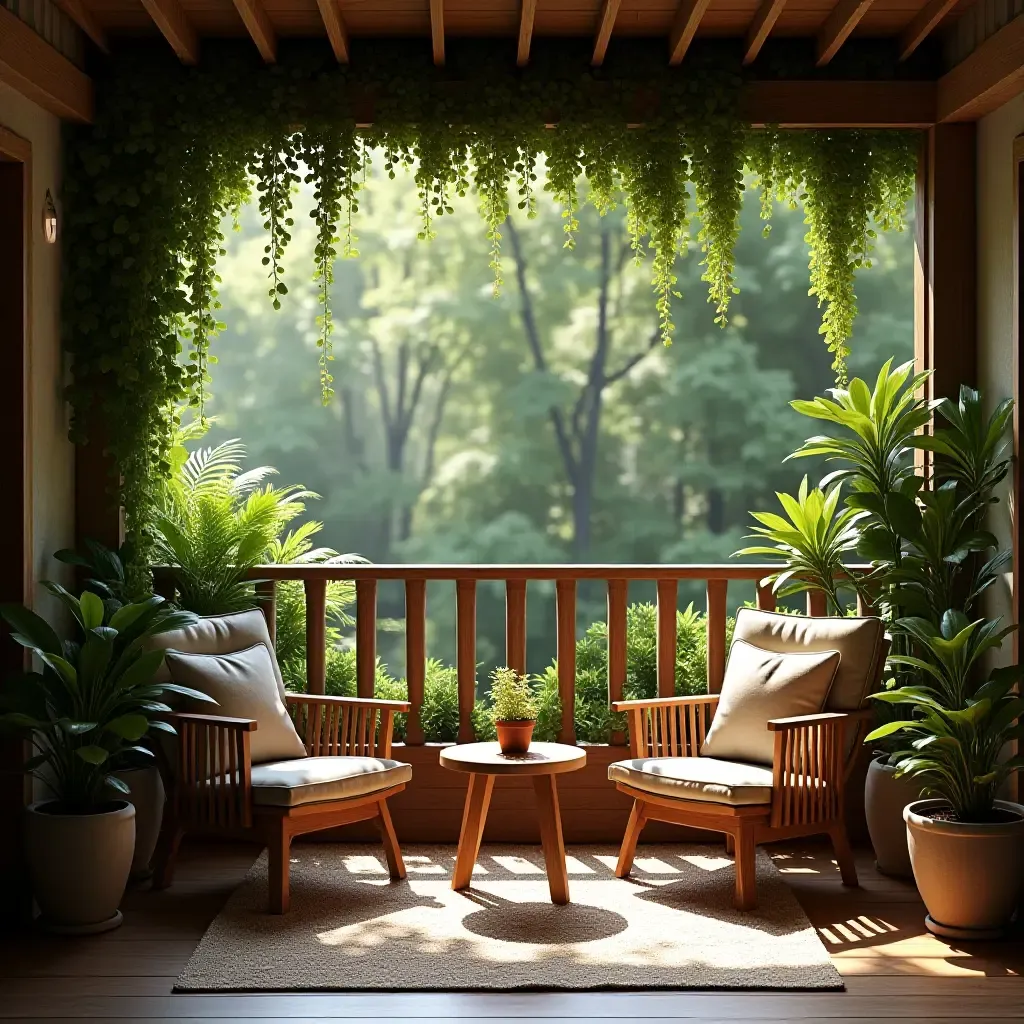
95,699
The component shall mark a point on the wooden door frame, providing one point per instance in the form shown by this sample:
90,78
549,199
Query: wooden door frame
1016,520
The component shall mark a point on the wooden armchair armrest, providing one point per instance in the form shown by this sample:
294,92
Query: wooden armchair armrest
245,724
664,702
799,721
338,726
808,769
357,702
668,726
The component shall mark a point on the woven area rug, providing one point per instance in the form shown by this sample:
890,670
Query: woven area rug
671,925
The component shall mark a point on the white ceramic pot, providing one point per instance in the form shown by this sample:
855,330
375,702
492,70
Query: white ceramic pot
146,794
969,876
885,796
79,865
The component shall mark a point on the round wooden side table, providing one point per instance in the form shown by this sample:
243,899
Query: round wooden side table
542,762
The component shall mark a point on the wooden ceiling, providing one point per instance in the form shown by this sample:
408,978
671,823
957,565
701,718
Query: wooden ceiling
184,23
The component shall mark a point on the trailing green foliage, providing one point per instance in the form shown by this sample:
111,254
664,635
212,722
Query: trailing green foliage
174,149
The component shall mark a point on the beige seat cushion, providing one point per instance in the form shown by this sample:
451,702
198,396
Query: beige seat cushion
313,779
243,685
762,685
859,641
696,778
219,634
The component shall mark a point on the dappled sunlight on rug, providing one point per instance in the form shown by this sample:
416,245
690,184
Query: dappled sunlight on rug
671,925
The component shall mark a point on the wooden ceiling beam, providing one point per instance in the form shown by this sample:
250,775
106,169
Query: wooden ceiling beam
838,25
992,75
33,68
175,28
82,17
257,24
335,26
760,28
925,22
684,28
527,10
833,103
605,27
437,30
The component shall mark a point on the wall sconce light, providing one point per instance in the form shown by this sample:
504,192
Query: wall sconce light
49,219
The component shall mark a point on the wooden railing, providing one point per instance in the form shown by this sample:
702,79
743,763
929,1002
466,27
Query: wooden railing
466,577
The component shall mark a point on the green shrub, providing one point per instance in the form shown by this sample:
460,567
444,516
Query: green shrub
511,697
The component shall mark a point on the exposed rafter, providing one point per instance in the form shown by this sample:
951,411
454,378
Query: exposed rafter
254,16
684,28
605,25
988,78
837,28
760,28
437,30
527,9
82,17
925,22
175,28
335,26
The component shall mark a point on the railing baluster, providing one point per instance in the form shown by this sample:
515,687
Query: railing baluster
515,625
817,603
718,593
316,636
465,658
266,594
618,599
865,606
765,598
565,652
665,654
366,636
415,655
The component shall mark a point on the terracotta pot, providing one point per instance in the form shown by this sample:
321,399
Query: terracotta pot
969,875
514,737
79,865
147,797
885,796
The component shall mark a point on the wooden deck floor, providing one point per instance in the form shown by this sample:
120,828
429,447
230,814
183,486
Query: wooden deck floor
894,970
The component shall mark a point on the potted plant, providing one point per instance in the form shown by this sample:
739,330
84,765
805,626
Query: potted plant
513,709
86,713
966,845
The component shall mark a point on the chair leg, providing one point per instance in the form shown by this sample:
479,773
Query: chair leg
166,853
730,845
396,866
844,854
279,842
637,820
746,870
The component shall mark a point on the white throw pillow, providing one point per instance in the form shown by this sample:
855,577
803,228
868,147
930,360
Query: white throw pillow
762,685
243,685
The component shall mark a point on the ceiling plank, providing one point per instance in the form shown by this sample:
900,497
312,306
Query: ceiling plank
437,30
838,26
82,17
605,27
987,79
254,17
335,26
175,27
684,28
925,22
760,28
527,9
33,68
839,104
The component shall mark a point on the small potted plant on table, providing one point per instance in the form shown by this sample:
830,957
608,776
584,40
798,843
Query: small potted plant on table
514,710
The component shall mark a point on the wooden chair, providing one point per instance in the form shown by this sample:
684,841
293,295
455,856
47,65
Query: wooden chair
347,776
801,793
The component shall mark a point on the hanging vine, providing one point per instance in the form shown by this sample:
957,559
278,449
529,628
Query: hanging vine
276,170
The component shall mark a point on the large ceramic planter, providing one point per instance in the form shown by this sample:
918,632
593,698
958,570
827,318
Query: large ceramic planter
969,876
146,794
79,865
514,737
885,796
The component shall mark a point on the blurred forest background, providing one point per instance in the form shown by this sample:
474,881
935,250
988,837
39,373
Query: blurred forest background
546,424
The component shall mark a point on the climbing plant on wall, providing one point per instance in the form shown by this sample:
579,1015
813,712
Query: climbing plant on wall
173,150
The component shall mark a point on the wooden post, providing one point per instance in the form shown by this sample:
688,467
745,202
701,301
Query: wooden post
266,594
465,658
515,625
565,611
718,594
316,640
817,603
618,598
765,598
665,654
415,655
366,636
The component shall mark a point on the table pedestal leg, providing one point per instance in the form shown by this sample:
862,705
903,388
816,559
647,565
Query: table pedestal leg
474,817
550,820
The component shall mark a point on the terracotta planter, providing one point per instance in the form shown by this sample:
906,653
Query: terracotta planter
514,737
968,875
79,865
147,797
885,796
